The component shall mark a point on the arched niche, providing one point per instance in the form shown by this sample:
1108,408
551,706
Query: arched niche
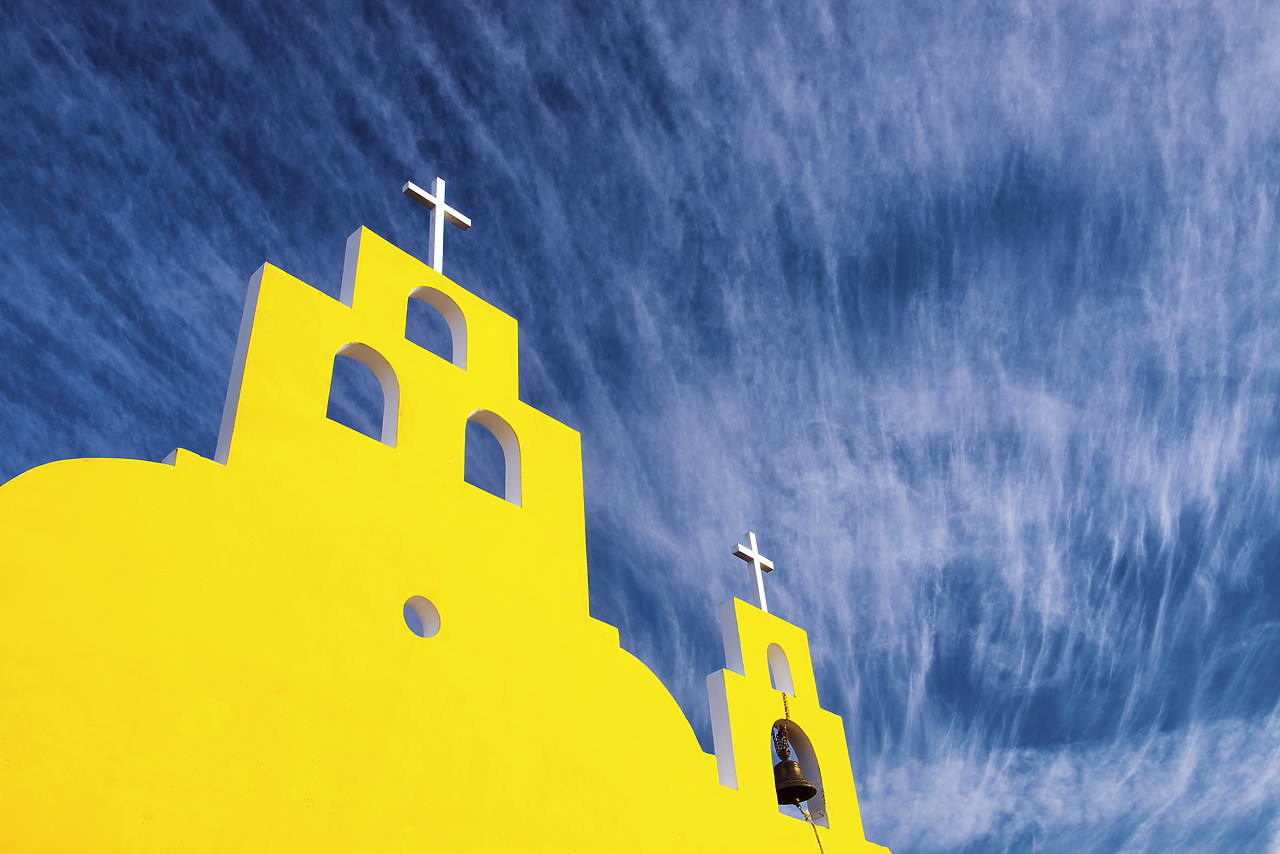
346,383
780,670
802,752
453,316
510,444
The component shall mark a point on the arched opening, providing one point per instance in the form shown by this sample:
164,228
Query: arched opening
780,671
485,465
427,328
802,752
492,457
422,325
364,393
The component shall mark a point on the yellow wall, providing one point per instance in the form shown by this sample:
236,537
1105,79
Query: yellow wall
210,655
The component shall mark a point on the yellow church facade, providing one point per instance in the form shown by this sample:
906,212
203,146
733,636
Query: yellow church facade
211,655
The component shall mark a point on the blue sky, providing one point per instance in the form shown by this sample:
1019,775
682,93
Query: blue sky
967,309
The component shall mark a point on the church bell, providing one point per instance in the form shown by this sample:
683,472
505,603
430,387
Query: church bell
788,779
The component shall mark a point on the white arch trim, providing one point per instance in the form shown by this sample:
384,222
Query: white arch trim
452,315
374,361
780,670
510,449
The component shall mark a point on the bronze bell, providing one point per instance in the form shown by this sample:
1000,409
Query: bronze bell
789,780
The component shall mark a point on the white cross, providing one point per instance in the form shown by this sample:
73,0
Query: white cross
435,202
759,566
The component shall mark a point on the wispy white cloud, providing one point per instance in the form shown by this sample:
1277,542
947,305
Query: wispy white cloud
966,310
1211,787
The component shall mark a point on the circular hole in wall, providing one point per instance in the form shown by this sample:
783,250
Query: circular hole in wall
421,616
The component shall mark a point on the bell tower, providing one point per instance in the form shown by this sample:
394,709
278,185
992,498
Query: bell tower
768,679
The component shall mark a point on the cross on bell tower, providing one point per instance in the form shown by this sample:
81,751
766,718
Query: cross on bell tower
440,213
759,566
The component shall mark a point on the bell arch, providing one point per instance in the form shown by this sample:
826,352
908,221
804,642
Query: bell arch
802,752
453,316
387,382
510,443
